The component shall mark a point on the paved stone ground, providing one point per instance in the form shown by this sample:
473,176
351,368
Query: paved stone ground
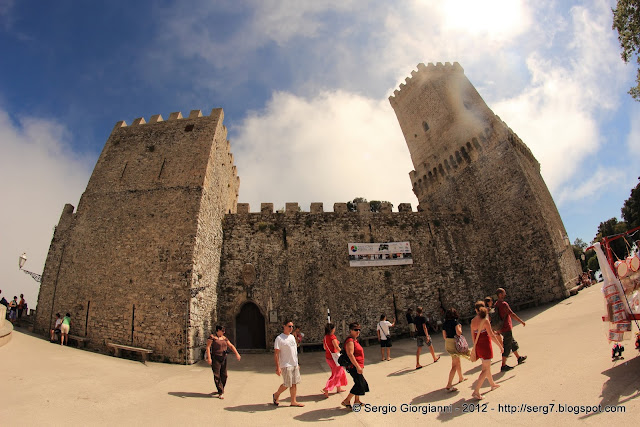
569,364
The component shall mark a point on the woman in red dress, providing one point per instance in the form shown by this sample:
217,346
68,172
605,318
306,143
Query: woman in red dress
482,336
331,346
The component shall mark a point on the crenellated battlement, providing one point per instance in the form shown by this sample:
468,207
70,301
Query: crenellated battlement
519,145
318,208
216,114
428,175
426,71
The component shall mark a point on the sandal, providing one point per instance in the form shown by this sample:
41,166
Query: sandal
275,402
346,405
451,389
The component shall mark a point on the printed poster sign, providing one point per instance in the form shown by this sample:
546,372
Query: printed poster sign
379,254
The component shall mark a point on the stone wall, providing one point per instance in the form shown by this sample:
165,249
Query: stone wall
144,240
302,268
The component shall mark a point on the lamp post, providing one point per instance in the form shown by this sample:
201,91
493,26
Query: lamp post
21,261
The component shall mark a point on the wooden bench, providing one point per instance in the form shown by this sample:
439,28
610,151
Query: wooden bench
525,304
117,347
366,341
312,346
79,340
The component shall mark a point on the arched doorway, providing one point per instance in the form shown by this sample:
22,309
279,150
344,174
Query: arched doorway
250,332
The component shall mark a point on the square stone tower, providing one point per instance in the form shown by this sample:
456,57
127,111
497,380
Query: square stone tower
466,159
138,262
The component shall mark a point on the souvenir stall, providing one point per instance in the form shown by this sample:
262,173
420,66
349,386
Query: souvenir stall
621,290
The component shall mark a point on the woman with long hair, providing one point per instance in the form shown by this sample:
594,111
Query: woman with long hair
356,355
216,356
331,346
450,329
482,336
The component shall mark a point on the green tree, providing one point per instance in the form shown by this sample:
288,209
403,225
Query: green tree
375,205
631,208
577,253
613,227
626,20
580,243
593,264
352,206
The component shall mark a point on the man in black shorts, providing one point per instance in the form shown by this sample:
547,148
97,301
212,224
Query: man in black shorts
422,337
509,344
384,335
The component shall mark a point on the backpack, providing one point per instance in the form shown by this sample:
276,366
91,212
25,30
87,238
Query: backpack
344,360
495,319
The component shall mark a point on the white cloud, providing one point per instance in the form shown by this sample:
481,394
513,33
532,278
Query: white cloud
38,174
492,19
633,138
281,21
553,120
593,184
548,71
558,114
330,148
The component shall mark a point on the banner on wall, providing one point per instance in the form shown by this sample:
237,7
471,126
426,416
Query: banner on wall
379,254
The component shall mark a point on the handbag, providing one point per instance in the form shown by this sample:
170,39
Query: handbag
334,355
461,344
473,356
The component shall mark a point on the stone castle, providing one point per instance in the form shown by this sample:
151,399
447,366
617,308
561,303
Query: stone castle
159,251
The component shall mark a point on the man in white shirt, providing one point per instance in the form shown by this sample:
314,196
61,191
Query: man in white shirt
384,335
286,358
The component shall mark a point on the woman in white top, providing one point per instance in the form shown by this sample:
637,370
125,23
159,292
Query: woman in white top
384,335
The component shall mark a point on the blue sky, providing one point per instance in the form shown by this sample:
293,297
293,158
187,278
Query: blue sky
304,86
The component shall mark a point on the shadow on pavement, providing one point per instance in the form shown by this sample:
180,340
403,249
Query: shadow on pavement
433,396
403,371
261,407
311,398
623,384
184,394
456,412
322,415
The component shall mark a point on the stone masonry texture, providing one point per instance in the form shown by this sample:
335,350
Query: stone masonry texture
159,251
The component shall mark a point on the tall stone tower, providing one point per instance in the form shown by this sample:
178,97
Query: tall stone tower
466,159
138,262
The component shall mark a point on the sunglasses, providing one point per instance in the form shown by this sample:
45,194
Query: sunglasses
357,330
289,326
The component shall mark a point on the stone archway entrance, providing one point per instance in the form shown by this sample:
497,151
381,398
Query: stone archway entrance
250,328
